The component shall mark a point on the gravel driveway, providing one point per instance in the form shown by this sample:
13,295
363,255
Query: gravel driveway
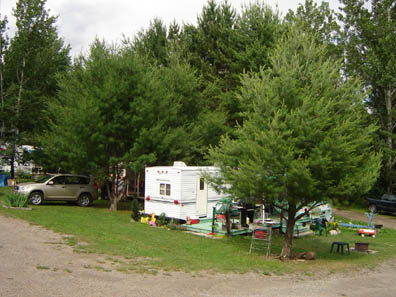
36,262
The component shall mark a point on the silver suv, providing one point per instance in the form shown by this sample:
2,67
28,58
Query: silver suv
61,187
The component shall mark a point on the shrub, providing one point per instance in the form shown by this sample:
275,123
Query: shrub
16,200
162,220
135,214
334,225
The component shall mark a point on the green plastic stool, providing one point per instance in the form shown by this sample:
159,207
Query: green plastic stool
340,246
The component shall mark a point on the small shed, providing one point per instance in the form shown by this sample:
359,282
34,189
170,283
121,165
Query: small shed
180,191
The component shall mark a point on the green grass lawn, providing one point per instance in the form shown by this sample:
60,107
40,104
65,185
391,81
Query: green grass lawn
113,233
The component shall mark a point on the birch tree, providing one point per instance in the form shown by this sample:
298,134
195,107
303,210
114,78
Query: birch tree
3,49
34,57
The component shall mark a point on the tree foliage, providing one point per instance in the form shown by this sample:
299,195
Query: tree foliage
319,20
116,110
258,29
91,129
369,40
225,44
305,139
173,120
34,56
153,42
3,49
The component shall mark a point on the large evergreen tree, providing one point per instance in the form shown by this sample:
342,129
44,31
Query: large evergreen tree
225,44
92,121
116,110
305,139
153,42
369,41
174,121
212,43
320,20
194,121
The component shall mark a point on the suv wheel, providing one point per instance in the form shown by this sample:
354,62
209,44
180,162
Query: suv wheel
84,200
36,198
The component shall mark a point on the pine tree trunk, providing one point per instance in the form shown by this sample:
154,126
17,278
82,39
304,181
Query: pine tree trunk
389,163
287,243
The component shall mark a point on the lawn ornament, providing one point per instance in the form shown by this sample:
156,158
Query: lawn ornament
152,220
144,220
370,216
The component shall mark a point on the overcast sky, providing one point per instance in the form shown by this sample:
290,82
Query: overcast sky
80,21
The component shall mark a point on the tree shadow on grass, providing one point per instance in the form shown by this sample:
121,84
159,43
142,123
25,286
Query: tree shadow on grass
105,204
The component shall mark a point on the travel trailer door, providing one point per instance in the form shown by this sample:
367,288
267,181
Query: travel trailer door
202,197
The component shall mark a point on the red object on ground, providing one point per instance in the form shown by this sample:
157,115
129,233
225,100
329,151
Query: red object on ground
194,221
370,232
148,198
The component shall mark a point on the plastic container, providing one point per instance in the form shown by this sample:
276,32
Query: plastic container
4,180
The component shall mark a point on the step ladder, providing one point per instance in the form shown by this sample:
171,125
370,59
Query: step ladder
261,239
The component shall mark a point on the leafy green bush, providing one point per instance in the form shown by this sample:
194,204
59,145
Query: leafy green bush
162,220
135,214
334,225
15,200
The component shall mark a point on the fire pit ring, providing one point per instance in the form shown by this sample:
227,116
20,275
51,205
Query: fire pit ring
361,246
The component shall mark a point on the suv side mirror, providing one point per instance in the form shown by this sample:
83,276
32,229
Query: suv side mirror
51,182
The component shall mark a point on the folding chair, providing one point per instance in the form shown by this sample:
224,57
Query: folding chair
261,239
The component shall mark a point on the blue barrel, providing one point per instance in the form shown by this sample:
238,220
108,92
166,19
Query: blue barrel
3,180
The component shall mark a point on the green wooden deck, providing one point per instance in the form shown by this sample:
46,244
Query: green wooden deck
205,226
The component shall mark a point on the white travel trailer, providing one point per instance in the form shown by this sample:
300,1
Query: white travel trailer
180,191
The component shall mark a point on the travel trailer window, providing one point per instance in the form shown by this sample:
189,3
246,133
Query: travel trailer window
165,189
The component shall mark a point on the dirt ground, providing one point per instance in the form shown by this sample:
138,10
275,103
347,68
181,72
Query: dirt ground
388,221
37,262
